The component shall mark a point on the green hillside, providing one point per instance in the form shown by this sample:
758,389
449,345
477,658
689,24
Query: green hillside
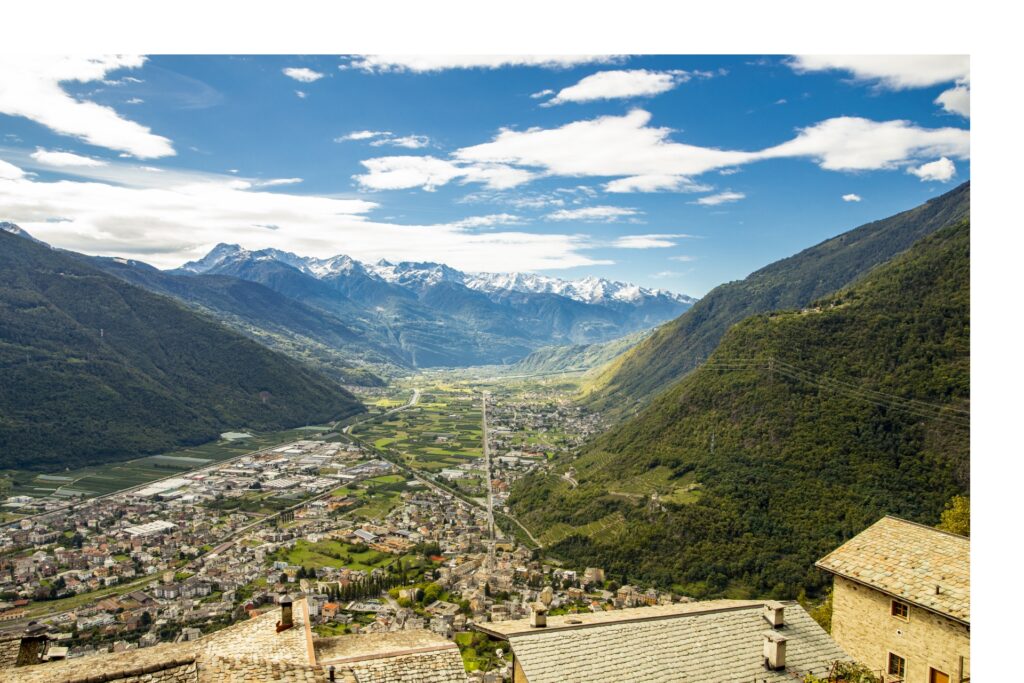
803,428
96,370
677,347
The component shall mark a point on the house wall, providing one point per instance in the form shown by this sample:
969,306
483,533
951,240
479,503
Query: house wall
517,673
864,627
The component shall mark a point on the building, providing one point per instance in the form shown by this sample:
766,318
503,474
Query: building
901,601
275,646
696,642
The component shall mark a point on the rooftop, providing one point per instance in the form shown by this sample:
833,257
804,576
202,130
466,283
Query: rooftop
916,563
253,650
713,641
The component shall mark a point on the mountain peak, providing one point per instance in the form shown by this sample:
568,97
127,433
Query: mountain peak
15,229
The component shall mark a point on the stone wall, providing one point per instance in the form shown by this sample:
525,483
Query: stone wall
863,626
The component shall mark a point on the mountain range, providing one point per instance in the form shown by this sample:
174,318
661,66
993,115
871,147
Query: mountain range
417,314
96,369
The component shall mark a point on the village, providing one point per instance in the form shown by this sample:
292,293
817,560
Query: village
373,544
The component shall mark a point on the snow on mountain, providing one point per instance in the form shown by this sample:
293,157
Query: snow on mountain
421,275
17,230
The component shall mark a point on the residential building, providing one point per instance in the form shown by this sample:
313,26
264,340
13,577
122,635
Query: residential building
901,601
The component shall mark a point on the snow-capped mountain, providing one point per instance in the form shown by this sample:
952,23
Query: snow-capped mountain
431,314
17,230
421,275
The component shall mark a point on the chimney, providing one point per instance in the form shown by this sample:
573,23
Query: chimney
286,615
33,645
538,615
774,613
774,651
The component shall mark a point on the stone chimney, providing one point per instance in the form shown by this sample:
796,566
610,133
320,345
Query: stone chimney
774,613
774,651
538,615
286,615
33,645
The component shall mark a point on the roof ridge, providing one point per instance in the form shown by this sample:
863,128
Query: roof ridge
926,526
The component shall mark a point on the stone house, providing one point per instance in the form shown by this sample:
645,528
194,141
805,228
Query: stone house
901,601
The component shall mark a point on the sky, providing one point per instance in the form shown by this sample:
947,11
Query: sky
672,172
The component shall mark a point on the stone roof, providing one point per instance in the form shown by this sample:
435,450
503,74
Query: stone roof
253,651
706,642
916,563
415,656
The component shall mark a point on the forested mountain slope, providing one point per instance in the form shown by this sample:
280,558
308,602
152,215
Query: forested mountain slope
94,369
802,428
677,347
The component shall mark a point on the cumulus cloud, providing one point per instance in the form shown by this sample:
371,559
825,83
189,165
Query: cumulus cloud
855,144
592,214
720,198
646,241
894,72
64,159
956,100
429,63
30,87
941,170
902,72
181,217
644,158
621,84
302,74
851,197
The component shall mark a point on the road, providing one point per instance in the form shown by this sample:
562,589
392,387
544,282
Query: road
490,488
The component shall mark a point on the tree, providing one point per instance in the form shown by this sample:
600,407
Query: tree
956,518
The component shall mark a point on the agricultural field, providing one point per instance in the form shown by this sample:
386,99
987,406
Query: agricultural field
442,430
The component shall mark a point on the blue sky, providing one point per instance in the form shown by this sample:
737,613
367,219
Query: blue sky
677,172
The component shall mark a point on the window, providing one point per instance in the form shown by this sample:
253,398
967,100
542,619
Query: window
900,609
897,665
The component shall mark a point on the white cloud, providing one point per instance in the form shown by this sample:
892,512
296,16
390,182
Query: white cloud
302,74
407,141
720,198
592,213
855,144
851,197
542,93
301,94
486,221
64,159
9,171
956,100
429,173
941,170
642,158
273,182
894,72
183,215
682,258
620,84
362,135
135,100
646,241
902,72
655,183
30,87
428,63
